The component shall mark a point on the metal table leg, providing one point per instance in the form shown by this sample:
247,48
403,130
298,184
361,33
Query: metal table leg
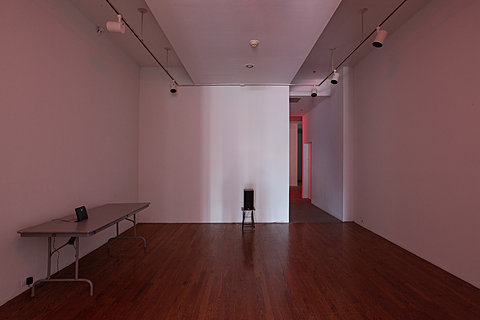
134,221
49,264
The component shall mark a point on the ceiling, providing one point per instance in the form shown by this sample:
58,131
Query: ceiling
99,12
211,37
343,33
208,40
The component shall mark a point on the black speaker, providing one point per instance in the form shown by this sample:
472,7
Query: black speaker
248,199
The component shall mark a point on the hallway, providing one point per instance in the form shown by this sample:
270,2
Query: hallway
303,211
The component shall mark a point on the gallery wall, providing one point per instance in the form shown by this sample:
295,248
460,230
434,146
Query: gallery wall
323,127
416,138
201,147
68,130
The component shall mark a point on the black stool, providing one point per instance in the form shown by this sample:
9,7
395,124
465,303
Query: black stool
248,207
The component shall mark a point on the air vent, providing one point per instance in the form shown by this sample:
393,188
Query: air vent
294,100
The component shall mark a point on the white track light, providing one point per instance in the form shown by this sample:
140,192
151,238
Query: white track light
381,35
116,26
173,87
314,92
335,77
335,74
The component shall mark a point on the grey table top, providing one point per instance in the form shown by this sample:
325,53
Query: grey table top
99,218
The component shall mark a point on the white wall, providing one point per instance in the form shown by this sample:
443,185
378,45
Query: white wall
293,154
416,136
68,129
323,127
200,148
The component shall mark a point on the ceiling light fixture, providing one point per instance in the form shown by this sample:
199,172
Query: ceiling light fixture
249,66
140,40
335,77
381,35
254,43
116,26
314,92
364,40
173,87
335,74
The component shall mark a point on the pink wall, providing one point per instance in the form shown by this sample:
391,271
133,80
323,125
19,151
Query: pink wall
200,148
323,127
416,136
68,129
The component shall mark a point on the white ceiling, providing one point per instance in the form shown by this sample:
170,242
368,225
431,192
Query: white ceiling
209,38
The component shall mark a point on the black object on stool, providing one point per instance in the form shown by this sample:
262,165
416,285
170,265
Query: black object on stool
248,207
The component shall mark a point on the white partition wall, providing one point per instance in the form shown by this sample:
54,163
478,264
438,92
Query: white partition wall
323,126
200,148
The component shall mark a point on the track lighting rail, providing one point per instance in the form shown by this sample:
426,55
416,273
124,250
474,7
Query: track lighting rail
255,84
362,42
140,40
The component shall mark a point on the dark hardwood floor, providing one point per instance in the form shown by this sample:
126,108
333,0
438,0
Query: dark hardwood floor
279,271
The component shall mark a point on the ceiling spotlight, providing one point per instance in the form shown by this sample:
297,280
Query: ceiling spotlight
381,35
335,77
335,74
116,26
314,92
173,87
254,43
249,66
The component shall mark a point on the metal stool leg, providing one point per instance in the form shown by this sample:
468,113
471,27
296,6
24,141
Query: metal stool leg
243,219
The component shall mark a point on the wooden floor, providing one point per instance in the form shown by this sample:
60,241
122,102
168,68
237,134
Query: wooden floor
279,271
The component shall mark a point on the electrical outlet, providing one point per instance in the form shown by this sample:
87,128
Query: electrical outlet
28,281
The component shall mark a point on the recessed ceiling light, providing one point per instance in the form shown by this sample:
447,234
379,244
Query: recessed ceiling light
249,66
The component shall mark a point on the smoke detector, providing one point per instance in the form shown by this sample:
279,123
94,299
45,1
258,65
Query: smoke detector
254,43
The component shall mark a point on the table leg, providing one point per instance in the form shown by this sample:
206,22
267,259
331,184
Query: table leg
77,251
49,263
76,279
134,221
